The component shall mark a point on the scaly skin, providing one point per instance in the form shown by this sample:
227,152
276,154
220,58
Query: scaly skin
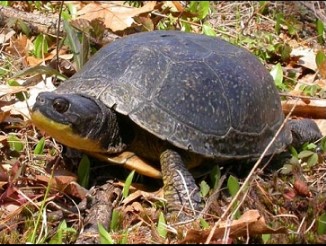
179,184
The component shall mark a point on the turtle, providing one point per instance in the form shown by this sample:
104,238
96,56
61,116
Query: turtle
182,100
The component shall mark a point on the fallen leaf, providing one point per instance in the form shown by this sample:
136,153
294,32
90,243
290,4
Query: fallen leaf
10,208
115,14
5,35
306,56
3,115
2,184
154,196
178,6
301,187
22,107
19,46
322,69
134,207
250,223
289,194
76,190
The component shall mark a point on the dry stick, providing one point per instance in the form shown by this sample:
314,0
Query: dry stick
58,30
249,176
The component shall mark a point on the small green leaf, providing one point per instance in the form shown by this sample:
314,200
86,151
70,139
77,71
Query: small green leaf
215,176
201,8
204,188
58,236
125,190
186,27
39,147
4,3
124,239
115,220
285,52
294,160
203,223
287,169
161,226
313,160
63,233
320,58
277,74
323,144
293,151
279,21
311,146
265,238
233,185
25,28
72,9
83,171
74,43
105,237
14,143
321,226
208,30
40,46
320,31
84,49
305,153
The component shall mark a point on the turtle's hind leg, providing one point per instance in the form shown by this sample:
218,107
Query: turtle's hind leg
304,130
180,189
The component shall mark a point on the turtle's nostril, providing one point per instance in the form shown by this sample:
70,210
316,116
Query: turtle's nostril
40,99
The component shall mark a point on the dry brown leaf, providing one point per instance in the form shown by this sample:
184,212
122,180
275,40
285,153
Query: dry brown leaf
3,116
6,106
115,14
3,137
6,34
250,223
76,190
289,194
301,187
10,207
61,178
134,207
143,194
307,57
322,69
3,183
178,6
20,107
19,46
34,61
66,184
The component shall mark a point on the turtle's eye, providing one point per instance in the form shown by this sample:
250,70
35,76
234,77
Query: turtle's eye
60,105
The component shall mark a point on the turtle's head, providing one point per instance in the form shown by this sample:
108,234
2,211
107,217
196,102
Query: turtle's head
77,121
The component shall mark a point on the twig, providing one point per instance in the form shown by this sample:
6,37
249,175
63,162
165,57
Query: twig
58,31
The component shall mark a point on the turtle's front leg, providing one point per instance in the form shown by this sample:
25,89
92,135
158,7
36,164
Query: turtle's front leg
180,189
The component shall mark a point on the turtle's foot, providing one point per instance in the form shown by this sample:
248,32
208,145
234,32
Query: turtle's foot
304,130
180,190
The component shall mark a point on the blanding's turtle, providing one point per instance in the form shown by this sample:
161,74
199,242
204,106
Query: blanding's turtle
180,99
